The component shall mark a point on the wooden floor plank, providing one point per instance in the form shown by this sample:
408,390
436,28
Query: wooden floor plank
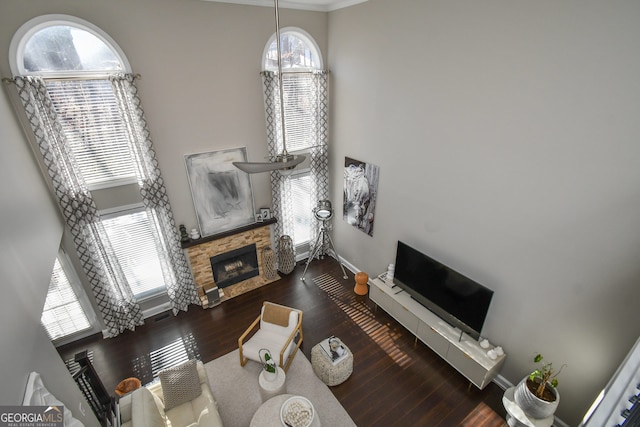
396,381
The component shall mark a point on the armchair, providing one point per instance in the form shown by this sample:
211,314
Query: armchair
279,326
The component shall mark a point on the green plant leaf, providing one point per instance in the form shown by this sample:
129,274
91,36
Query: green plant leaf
538,358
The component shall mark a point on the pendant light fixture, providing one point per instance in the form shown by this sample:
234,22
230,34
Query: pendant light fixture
284,161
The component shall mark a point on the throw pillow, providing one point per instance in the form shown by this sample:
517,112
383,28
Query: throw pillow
180,384
276,314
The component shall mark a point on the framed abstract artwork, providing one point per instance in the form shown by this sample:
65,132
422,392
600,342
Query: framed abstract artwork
221,193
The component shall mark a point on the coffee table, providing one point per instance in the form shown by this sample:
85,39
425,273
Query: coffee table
268,414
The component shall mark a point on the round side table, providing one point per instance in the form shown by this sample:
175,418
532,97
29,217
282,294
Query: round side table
329,373
269,389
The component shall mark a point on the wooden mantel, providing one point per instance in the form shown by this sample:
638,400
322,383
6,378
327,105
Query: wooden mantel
193,242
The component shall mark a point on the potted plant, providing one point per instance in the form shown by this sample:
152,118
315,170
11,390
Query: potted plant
537,394
268,364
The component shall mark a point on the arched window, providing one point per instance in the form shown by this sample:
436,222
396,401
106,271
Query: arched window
303,95
299,51
74,57
63,45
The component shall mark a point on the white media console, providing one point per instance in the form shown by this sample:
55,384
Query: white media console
460,351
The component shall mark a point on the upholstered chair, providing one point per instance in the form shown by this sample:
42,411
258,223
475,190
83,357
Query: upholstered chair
277,329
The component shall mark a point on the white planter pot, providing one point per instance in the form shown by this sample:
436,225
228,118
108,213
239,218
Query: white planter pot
531,404
270,376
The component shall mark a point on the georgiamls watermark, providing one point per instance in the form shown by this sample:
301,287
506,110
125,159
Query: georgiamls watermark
31,416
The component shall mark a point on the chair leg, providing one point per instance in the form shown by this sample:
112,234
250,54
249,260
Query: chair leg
243,360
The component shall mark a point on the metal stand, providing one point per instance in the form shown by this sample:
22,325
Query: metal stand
317,251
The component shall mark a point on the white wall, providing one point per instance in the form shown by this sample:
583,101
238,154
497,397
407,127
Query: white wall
507,139
174,44
201,89
30,233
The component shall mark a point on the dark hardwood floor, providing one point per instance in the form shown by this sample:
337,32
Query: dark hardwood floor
395,381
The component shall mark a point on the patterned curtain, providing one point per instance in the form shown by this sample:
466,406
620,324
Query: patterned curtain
280,185
319,160
319,165
116,302
177,277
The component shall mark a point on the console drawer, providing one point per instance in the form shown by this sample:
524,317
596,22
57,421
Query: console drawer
433,339
404,316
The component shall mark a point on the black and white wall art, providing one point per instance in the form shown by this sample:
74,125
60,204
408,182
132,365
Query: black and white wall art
360,194
221,193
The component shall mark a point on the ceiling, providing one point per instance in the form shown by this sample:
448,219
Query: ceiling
319,5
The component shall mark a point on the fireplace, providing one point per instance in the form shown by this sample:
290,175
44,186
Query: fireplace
200,251
235,266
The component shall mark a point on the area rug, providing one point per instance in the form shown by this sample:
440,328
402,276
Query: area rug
235,389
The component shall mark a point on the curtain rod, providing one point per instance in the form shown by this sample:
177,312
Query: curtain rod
284,72
9,80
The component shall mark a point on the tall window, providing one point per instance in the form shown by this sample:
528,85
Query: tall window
131,236
300,58
78,84
63,314
300,192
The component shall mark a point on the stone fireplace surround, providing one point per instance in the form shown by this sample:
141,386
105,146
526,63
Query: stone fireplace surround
199,252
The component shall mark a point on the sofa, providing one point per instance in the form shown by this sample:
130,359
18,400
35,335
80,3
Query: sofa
181,397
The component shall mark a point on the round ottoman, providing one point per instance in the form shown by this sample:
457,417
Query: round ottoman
329,373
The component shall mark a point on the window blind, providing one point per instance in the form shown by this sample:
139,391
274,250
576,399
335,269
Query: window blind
297,92
132,240
91,121
301,202
62,314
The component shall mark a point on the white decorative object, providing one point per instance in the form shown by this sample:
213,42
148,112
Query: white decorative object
485,343
297,411
194,234
492,354
390,272
499,351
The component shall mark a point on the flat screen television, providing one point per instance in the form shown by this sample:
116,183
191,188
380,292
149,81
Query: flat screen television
460,301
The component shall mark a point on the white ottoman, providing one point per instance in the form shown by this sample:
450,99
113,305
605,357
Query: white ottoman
329,373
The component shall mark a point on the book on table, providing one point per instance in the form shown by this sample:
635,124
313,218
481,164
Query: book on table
334,356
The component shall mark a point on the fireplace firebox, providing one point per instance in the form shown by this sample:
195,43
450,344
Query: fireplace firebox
235,266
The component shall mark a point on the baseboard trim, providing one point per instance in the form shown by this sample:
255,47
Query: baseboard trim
153,311
502,382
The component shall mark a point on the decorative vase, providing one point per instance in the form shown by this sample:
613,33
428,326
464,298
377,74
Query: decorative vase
531,404
362,279
286,255
269,263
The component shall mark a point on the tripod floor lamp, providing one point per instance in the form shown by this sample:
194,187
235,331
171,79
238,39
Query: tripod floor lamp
323,213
